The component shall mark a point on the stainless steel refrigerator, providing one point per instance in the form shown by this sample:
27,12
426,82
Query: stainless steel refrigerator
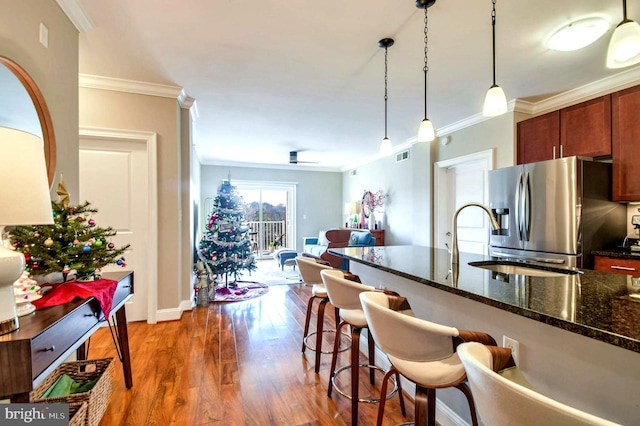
554,212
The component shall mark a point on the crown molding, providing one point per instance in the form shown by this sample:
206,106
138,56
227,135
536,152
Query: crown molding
76,14
187,102
470,121
613,83
297,167
129,86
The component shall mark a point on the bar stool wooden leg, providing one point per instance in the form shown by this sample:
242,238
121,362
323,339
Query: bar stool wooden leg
464,388
421,416
307,320
355,370
334,357
319,335
372,356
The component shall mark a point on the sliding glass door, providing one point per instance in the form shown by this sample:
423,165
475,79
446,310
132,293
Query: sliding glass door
269,213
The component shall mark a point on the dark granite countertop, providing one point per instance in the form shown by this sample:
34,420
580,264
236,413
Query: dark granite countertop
600,305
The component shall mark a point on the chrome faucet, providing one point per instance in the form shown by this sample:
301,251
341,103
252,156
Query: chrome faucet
454,251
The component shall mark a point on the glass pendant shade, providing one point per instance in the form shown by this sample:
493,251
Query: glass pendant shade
426,132
624,46
495,103
385,147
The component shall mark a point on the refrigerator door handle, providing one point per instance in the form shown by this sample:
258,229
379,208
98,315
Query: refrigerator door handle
526,209
502,255
518,207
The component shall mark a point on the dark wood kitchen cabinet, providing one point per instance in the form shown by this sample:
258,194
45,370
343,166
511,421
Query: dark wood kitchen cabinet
625,106
617,265
583,129
539,138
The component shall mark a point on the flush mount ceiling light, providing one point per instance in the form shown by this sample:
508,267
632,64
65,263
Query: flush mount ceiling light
495,102
426,132
385,145
624,46
578,34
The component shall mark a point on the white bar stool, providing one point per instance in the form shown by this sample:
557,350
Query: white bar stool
421,351
344,294
505,397
309,271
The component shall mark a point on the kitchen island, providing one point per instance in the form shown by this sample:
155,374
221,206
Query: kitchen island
575,332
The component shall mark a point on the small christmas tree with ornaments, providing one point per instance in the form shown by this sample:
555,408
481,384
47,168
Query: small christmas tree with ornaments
73,243
226,246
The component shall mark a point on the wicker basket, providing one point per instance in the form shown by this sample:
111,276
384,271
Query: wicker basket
77,413
97,398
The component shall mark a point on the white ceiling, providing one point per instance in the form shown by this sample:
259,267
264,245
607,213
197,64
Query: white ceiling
273,76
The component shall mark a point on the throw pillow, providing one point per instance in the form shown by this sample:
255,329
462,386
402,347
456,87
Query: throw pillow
322,239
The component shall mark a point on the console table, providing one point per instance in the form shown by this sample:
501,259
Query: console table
47,337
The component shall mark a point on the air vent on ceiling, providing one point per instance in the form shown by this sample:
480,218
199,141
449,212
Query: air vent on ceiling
401,156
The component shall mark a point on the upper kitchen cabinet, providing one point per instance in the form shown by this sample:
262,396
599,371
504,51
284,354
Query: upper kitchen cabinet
539,138
583,129
625,106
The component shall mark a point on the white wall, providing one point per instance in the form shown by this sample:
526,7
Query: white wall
54,69
109,109
408,214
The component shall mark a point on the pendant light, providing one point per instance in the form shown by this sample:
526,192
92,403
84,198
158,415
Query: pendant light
426,132
495,102
624,46
385,146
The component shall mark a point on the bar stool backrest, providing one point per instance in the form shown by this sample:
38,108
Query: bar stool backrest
309,270
343,293
501,401
404,336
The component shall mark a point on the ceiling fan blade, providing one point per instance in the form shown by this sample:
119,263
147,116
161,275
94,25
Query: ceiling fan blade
293,159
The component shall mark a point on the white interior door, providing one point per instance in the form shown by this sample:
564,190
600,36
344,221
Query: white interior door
114,178
459,181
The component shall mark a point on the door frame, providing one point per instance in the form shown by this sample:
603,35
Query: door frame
150,141
442,183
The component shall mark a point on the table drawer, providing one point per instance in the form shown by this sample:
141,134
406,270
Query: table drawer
49,345
617,265
125,288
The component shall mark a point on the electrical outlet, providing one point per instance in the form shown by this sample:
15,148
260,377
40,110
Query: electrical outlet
514,345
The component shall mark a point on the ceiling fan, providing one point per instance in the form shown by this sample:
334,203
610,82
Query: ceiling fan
293,158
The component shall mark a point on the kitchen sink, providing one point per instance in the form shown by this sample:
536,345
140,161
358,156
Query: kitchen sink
518,268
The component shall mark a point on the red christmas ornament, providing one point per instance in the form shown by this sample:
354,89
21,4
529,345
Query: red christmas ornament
80,218
111,245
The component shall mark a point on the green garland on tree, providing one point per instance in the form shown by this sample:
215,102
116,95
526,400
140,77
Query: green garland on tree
73,242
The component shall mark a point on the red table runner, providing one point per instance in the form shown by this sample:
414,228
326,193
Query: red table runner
102,289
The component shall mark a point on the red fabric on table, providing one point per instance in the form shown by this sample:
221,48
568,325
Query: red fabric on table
102,289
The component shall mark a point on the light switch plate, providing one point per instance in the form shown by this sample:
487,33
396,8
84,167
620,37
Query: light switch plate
635,220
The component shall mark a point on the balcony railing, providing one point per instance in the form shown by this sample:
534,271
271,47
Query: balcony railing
272,231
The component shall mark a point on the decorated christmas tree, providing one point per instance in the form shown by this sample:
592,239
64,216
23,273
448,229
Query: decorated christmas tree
225,246
73,243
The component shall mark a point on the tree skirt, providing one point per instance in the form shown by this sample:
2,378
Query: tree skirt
239,291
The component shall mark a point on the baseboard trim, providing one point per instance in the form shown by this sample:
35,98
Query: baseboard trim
173,314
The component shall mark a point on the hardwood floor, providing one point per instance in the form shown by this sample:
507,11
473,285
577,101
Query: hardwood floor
233,364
